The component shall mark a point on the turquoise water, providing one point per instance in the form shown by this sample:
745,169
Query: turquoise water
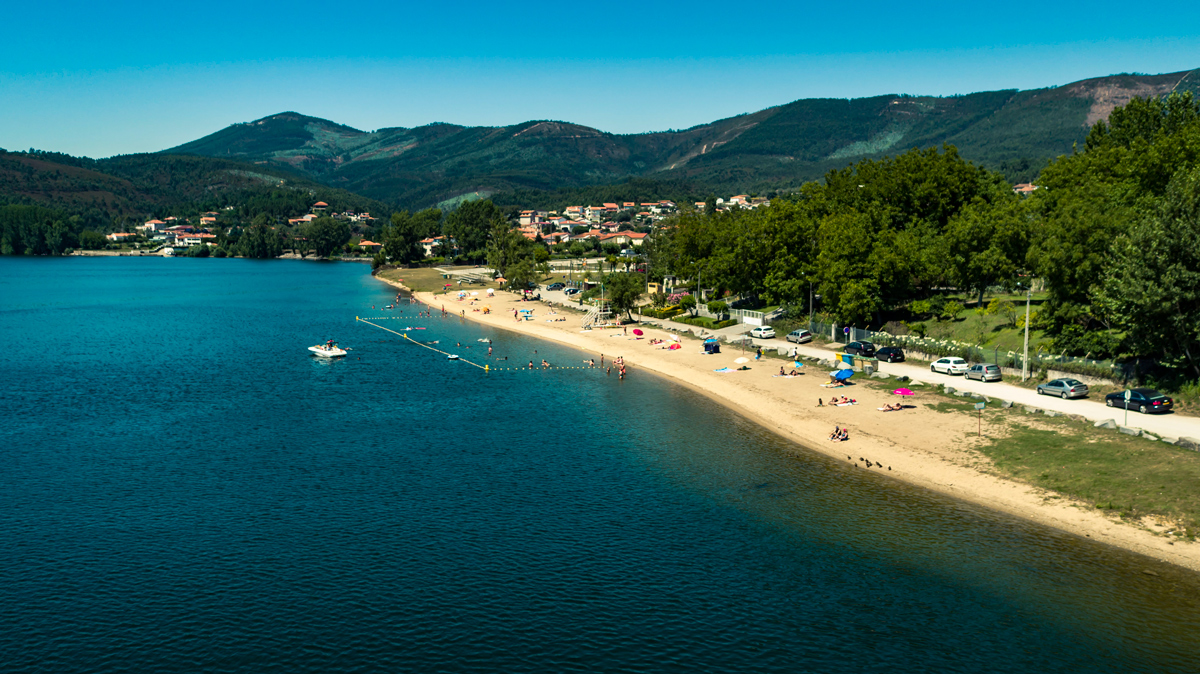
183,488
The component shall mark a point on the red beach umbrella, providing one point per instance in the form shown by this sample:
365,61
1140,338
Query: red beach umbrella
637,332
903,392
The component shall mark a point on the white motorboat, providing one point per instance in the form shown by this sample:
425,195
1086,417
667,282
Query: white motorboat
327,351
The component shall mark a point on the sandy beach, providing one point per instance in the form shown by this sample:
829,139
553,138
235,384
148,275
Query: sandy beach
918,445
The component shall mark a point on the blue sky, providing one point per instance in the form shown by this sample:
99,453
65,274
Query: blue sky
101,79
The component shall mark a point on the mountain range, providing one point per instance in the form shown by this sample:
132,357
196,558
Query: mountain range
1014,132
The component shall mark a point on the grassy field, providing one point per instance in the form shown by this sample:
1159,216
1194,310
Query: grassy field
1150,483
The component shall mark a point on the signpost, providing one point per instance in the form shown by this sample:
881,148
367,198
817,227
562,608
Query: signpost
980,406
1128,393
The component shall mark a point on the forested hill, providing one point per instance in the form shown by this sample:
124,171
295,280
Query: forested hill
135,187
1014,132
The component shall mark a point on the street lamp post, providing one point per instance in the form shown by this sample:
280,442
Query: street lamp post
1025,357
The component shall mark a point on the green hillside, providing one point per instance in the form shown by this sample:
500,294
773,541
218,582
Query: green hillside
132,187
1014,132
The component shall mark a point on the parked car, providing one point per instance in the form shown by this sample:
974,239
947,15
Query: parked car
1064,388
556,286
763,332
985,372
951,365
890,354
1144,400
864,349
571,291
799,336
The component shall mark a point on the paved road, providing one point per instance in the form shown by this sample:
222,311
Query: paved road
1163,425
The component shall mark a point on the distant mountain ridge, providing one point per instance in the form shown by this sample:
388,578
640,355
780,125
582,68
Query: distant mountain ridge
1011,131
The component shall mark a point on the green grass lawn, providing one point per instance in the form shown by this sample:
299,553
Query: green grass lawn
989,331
1131,476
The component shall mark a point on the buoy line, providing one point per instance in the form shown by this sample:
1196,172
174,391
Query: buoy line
485,368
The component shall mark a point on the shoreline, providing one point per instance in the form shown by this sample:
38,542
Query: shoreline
937,455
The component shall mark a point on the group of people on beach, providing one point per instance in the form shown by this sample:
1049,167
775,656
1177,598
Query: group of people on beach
793,373
892,408
839,434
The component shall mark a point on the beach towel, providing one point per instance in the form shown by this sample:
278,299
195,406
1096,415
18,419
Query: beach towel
724,369
844,404
786,376
833,385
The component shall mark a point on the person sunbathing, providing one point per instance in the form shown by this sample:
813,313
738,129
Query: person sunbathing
793,373
837,431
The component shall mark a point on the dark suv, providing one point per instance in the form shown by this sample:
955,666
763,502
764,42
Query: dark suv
556,286
864,349
890,354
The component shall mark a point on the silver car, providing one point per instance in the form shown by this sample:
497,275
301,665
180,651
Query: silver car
1064,388
985,372
799,336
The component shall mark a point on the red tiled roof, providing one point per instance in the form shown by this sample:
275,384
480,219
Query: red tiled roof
320,203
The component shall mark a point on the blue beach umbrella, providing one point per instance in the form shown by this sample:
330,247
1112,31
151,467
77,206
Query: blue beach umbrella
843,375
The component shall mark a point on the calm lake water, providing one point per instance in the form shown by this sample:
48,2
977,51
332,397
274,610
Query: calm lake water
183,488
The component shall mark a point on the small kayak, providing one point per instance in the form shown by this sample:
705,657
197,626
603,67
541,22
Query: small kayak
452,356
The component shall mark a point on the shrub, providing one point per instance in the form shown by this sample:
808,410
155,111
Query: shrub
919,328
952,309
718,307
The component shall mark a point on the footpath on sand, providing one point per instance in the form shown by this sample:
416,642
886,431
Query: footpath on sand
917,445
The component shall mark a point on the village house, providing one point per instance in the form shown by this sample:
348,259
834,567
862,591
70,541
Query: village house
370,246
319,207
431,243
1025,189
154,225
195,239
120,236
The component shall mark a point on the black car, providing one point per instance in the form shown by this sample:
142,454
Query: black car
556,286
890,354
1144,400
864,349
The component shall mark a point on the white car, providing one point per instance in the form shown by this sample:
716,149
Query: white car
763,332
949,366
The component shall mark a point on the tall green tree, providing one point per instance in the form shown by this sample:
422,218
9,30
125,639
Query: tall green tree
624,290
471,224
1152,288
326,235
988,242
260,242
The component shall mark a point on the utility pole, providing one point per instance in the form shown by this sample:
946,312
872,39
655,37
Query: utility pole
1025,358
810,305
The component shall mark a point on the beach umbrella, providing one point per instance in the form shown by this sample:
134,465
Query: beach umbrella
637,332
474,292
742,360
843,375
903,392
501,280
674,347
